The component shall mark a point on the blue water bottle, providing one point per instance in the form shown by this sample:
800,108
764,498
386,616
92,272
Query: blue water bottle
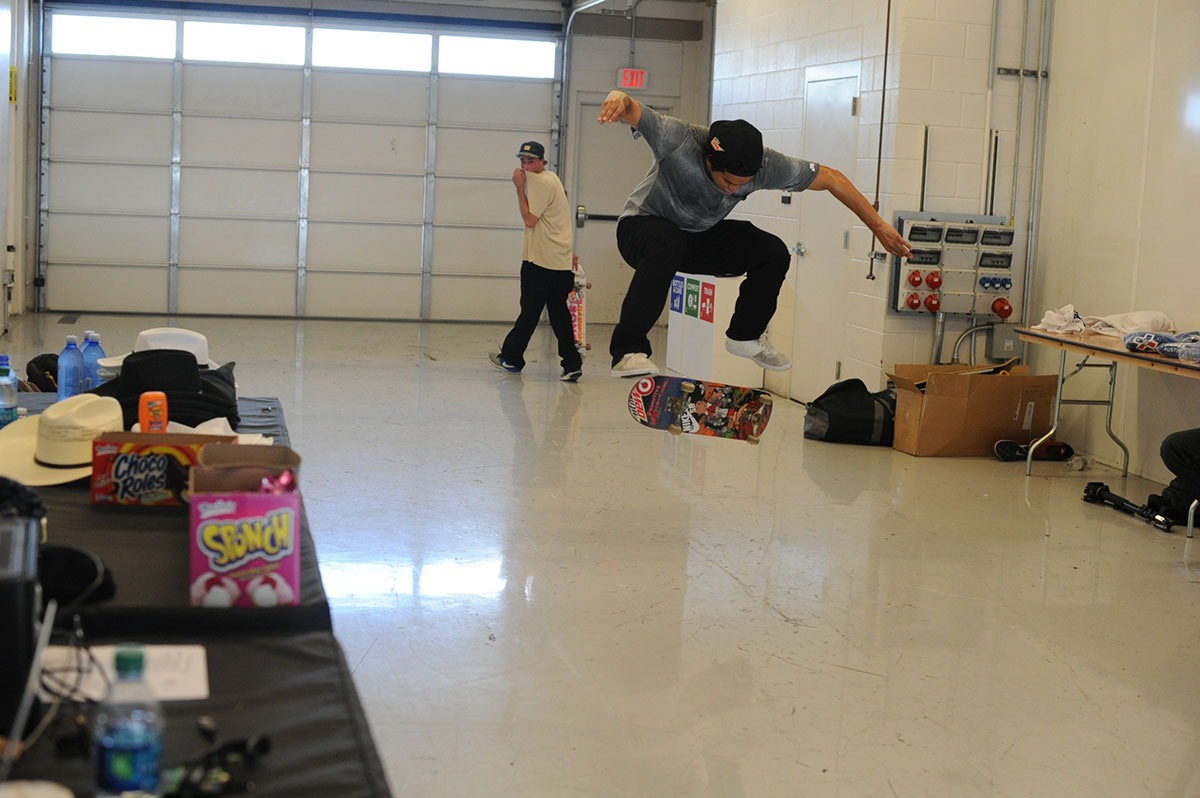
8,393
128,734
70,369
92,352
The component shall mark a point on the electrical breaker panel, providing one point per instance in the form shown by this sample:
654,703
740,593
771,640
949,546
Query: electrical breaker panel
960,264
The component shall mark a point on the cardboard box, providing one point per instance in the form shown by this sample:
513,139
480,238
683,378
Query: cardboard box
963,415
146,468
245,542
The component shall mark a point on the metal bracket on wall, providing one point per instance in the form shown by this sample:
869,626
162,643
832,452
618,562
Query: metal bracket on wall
1026,73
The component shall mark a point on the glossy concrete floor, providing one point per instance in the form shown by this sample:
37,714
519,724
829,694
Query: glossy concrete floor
540,598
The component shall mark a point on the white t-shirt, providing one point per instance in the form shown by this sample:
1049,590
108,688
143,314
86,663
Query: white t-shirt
547,243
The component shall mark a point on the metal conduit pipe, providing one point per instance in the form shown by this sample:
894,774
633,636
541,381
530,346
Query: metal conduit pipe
1012,204
969,332
1039,146
565,71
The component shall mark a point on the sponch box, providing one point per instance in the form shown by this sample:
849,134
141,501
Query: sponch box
943,412
146,468
245,541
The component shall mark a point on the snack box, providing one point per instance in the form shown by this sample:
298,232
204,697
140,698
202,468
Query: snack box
148,469
245,541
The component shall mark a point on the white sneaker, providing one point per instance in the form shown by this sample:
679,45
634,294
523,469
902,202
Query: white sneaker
760,351
635,364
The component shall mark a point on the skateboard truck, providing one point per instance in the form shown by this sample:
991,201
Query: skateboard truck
1098,493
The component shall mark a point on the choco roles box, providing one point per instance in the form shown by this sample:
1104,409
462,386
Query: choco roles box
149,469
245,538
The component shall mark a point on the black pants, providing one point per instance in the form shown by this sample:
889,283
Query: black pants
543,288
657,248
1181,453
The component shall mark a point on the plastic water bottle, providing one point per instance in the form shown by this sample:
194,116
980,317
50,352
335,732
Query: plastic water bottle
8,393
70,369
92,352
128,734
1079,462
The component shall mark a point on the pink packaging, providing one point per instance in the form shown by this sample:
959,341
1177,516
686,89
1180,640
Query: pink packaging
245,543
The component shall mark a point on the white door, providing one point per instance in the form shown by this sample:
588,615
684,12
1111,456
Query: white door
830,135
609,163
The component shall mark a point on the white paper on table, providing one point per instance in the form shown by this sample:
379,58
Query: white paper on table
173,673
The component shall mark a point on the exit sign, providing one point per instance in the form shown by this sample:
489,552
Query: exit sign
631,78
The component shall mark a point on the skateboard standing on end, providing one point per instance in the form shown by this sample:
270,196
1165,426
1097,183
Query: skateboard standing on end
681,405
577,305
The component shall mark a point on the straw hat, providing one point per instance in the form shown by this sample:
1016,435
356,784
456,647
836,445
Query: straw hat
56,446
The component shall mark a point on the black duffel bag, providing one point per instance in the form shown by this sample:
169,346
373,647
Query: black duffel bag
848,413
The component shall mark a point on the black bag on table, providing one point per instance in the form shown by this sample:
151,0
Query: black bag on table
848,413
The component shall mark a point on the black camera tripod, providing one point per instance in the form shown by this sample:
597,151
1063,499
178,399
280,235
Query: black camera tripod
1098,493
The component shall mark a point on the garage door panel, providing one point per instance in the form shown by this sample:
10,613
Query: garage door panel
494,103
457,250
237,292
371,148
110,137
115,85
363,296
467,201
108,238
237,242
106,288
481,152
367,247
238,192
241,142
370,97
475,298
107,187
242,89
366,198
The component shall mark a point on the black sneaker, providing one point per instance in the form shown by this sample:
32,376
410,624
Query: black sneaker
571,376
499,362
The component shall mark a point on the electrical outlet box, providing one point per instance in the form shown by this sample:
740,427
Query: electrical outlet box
1002,341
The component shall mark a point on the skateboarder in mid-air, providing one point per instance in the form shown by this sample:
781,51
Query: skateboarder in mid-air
675,221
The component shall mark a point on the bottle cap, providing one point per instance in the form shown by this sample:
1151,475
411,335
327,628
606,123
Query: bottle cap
129,661
71,339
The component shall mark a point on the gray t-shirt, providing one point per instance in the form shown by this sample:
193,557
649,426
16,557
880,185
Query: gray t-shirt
678,186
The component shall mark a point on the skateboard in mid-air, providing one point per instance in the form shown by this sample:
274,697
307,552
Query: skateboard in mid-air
683,406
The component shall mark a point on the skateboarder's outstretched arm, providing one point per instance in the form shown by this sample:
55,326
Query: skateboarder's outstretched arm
837,184
620,107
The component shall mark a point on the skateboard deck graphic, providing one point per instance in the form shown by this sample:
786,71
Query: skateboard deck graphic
577,306
685,406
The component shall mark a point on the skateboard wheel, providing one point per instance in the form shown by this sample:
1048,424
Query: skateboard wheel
753,439
675,429
588,347
765,399
687,387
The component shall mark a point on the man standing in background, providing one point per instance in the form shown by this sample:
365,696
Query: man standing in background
546,276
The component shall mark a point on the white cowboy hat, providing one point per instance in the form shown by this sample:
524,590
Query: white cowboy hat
56,446
165,338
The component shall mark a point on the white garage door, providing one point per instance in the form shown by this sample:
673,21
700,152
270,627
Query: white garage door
325,183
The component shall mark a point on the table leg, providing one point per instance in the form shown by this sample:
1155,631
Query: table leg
1062,368
1112,387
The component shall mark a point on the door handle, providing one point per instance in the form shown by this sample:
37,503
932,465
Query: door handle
800,249
582,215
